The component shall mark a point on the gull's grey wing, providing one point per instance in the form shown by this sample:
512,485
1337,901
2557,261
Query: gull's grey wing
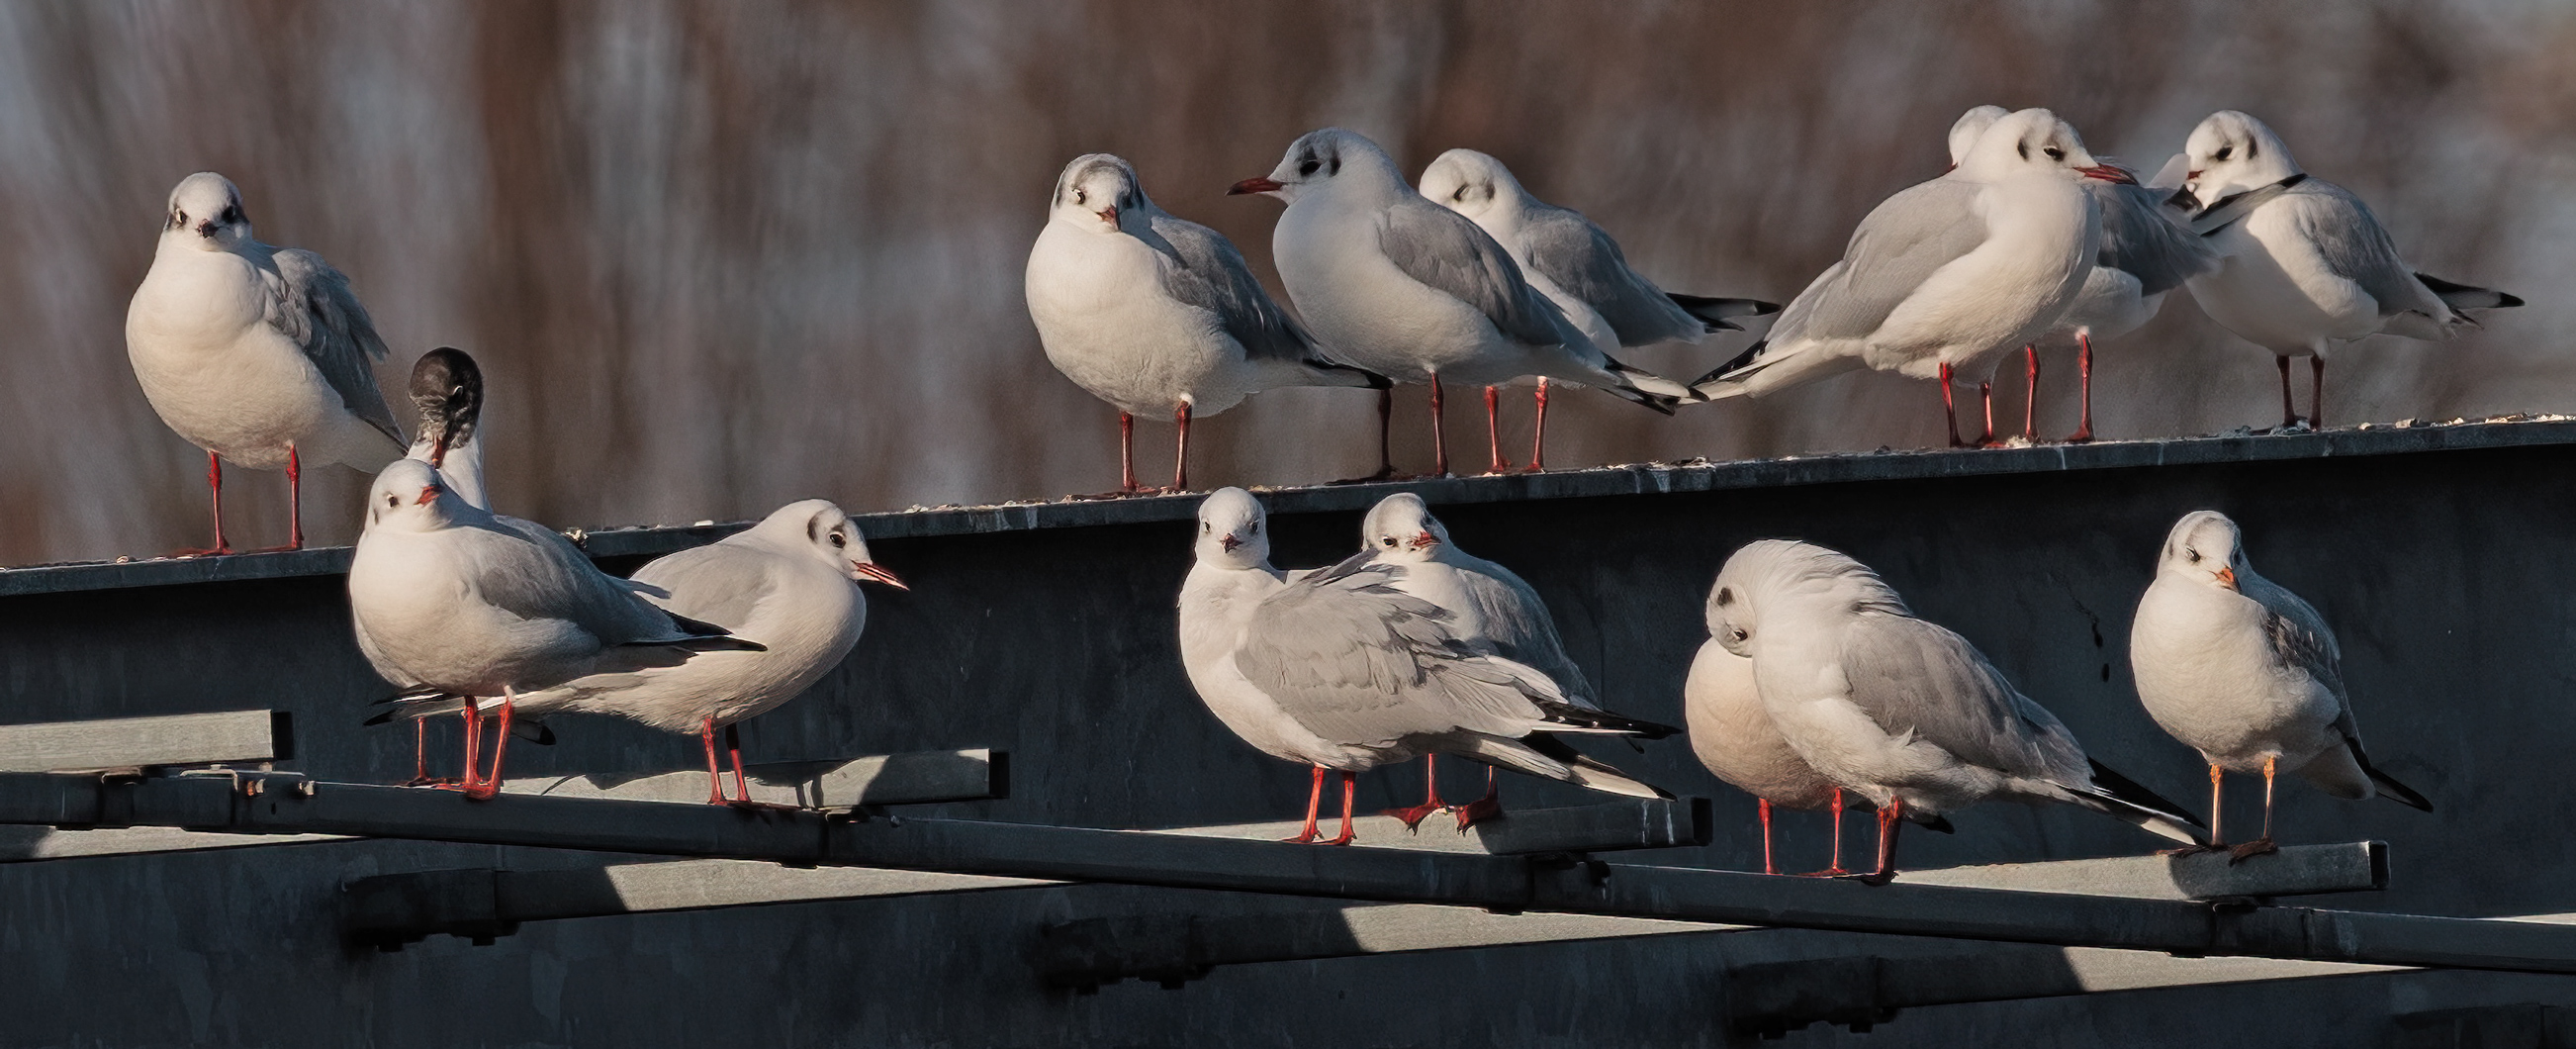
2298,636
2143,238
1518,624
720,583
1910,675
1895,249
312,304
2355,246
1582,259
543,576
1359,662
1441,248
1204,270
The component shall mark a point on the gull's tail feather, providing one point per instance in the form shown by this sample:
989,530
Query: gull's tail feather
1716,313
1583,770
1647,388
2461,297
2123,799
1570,717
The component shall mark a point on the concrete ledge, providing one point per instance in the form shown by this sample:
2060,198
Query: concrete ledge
920,778
228,737
2296,870
1638,479
1659,823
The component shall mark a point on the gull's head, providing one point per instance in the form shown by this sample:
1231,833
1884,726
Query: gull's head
447,388
1320,159
1400,528
1470,183
820,526
2205,548
408,497
206,213
1778,581
2231,153
2033,141
1231,532
1970,125
1096,192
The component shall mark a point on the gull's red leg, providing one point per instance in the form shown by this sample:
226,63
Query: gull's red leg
2084,362
1889,821
1439,442
1494,461
215,487
1767,866
1538,438
1127,454
2317,394
1431,802
1314,800
1181,455
2217,776
491,784
2030,400
1349,784
1484,808
473,744
1986,395
2263,844
1834,868
1950,408
733,746
715,779
2289,412
294,500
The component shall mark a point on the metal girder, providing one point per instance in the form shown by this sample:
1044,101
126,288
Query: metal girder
1500,883
233,736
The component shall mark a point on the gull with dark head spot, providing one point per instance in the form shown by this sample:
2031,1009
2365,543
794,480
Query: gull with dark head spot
1578,267
2243,671
447,390
1732,733
1414,291
256,354
1948,276
1899,710
2146,250
2303,264
1152,313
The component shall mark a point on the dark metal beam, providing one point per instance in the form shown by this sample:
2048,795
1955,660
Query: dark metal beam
232,736
1509,884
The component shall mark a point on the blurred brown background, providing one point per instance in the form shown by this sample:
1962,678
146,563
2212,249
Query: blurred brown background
716,257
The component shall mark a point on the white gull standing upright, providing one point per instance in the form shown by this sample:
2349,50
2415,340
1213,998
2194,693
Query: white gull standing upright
256,354
1899,710
2243,671
1947,276
1152,313
1414,291
1578,267
2303,262
2146,251
1732,733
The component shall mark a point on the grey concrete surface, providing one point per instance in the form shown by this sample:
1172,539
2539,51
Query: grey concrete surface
2438,554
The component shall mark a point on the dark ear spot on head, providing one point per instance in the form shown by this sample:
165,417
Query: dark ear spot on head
1335,168
2022,148
2250,147
814,529
1725,596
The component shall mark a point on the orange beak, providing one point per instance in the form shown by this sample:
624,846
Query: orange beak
2107,173
877,572
1424,539
1228,542
2227,578
428,494
1108,215
1253,185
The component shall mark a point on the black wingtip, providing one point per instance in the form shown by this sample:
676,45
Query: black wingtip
2397,792
1935,822
2505,300
2122,787
1741,360
381,717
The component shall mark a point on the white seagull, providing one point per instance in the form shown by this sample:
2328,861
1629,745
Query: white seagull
1946,276
447,390
2303,262
1152,313
2146,251
256,354
1898,710
1732,733
1412,290
2246,673
448,598
1578,267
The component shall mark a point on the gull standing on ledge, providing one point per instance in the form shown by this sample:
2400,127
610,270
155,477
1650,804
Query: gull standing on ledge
2246,673
256,354
2146,251
1414,291
1733,734
1578,267
2303,262
1152,313
1947,276
1899,710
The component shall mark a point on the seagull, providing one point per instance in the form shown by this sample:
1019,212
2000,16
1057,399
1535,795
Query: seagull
1898,710
448,597
2146,251
1152,313
1732,733
2303,262
256,354
1578,267
2243,671
1231,577
1412,290
447,390
1487,603
1381,675
1946,276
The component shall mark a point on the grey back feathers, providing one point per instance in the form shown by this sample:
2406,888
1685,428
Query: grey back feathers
1444,250
2142,238
314,307
1207,271
1582,259
1896,248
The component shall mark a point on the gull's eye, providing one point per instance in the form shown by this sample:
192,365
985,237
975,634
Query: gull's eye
1254,530
393,500
178,218
2194,555
2222,153
2054,153
840,540
1306,168
1388,541
1737,633
1081,197
1205,528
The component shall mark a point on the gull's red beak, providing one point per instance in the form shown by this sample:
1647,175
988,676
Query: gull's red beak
1108,215
2107,173
1228,542
2193,176
877,572
428,494
438,451
2227,578
1423,539
1253,185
